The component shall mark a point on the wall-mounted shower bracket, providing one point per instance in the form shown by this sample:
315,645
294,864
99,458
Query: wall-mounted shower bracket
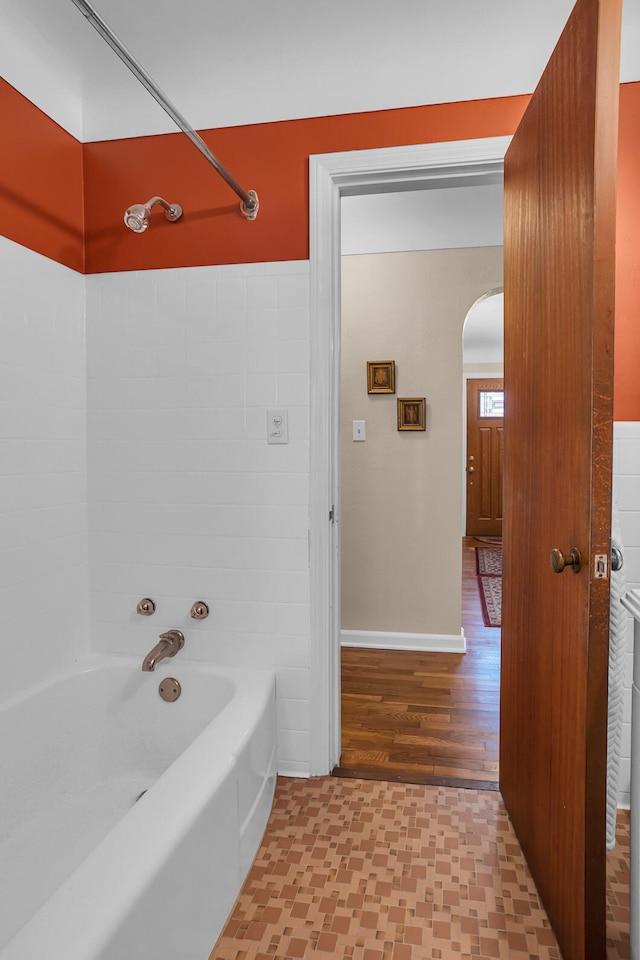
249,206
173,212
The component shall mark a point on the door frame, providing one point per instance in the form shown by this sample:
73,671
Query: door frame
332,176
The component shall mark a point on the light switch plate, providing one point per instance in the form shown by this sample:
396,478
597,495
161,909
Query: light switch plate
359,430
277,426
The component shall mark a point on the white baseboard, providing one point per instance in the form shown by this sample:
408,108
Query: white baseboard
290,768
425,642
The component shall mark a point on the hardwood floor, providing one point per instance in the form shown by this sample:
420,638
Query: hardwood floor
426,717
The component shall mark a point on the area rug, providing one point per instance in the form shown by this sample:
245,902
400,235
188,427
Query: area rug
489,573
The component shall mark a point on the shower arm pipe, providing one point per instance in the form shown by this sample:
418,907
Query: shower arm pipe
250,204
155,201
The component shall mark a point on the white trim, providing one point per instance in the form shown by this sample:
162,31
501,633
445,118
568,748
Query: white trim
424,642
330,176
289,768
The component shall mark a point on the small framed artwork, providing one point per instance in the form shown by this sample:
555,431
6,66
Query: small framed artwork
381,376
412,413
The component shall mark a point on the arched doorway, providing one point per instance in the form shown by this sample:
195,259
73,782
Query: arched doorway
483,405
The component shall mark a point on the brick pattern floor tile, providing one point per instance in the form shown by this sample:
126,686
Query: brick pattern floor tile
380,871
618,891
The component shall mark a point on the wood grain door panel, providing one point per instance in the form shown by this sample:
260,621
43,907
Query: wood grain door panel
485,454
559,303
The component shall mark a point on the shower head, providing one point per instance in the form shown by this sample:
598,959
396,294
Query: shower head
137,215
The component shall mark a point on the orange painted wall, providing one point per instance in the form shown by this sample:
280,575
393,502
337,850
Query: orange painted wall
270,158
41,202
627,345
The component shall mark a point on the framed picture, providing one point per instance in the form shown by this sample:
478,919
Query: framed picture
381,376
412,413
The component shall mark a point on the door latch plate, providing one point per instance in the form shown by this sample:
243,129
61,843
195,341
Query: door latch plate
600,566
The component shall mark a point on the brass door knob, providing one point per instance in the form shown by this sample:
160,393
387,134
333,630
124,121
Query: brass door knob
560,560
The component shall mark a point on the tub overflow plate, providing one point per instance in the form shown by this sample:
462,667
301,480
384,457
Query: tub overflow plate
169,689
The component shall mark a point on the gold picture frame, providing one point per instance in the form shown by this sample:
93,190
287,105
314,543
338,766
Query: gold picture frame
381,376
412,413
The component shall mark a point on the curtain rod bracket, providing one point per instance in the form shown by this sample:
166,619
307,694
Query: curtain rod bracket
249,209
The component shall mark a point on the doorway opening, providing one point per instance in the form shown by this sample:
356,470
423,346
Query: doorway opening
332,177
415,708
483,429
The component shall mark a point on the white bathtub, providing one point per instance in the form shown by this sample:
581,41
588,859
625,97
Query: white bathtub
87,871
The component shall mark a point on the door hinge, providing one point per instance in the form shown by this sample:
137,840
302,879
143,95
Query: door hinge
332,514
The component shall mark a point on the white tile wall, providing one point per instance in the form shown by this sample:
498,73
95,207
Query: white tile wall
626,486
43,494
187,500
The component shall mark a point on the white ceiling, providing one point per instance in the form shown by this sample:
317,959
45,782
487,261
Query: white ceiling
440,219
248,61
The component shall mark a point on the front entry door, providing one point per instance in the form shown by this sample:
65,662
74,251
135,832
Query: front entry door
485,454
559,301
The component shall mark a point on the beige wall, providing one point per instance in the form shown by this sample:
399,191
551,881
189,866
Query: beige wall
401,491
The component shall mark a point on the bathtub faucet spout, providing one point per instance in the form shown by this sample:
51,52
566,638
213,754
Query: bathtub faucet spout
170,643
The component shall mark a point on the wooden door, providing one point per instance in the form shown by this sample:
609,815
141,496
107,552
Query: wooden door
485,455
559,301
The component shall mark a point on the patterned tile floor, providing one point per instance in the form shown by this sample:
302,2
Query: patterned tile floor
379,871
